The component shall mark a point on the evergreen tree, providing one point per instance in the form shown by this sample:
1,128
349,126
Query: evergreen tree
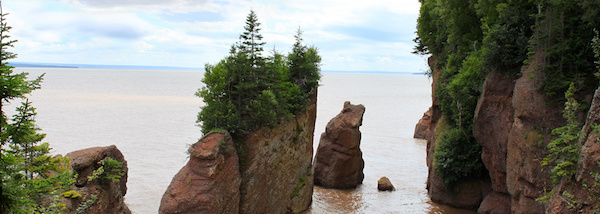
251,41
304,64
25,162
246,91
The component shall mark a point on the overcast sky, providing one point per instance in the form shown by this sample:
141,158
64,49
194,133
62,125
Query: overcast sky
365,35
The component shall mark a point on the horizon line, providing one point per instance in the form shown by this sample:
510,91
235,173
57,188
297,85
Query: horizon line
153,67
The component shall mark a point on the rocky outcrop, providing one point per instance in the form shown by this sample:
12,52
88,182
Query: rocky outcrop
465,194
274,174
512,123
338,162
492,124
277,165
422,129
108,194
209,182
384,184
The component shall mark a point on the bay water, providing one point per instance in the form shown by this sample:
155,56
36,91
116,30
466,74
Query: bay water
150,115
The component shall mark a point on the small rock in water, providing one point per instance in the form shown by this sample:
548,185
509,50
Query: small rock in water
384,184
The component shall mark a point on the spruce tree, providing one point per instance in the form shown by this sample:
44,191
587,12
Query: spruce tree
304,65
246,91
25,162
251,41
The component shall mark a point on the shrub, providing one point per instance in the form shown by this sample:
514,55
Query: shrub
457,157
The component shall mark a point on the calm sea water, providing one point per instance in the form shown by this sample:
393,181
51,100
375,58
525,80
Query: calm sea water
150,116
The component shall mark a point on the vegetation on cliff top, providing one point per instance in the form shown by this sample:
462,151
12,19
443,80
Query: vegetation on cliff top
246,91
470,39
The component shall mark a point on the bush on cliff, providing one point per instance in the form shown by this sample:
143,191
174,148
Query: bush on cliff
457,157
246,91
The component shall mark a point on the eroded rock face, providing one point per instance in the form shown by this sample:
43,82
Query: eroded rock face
109,194
492,124
526,178
277,170
338,162
209,182
422,129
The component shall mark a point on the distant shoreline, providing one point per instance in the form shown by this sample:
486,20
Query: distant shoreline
137,67
66,65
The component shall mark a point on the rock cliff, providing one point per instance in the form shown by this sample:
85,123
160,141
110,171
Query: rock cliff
466,194
274,174
109,195
209,182
338,162
512,123
276,165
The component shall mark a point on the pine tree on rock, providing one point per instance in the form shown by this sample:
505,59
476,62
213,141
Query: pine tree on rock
246,91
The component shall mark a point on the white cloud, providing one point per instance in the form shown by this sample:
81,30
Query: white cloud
350,34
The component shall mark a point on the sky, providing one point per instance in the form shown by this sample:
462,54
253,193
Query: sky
351,35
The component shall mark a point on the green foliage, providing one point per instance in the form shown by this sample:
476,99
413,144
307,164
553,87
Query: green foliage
246,91
87,204
469,39
593,188
563,34
110,170
457,157
299,185
564,150
71,194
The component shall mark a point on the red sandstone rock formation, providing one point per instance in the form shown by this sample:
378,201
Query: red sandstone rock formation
492,124
338,162
422,129
275,175
209,182
277,172
110,194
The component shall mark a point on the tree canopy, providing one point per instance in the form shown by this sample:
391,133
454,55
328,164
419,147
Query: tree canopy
245,91
470,39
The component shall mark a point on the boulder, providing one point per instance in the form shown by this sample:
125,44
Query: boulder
495,203
338,162
384,184
422,129
209,182
108,195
